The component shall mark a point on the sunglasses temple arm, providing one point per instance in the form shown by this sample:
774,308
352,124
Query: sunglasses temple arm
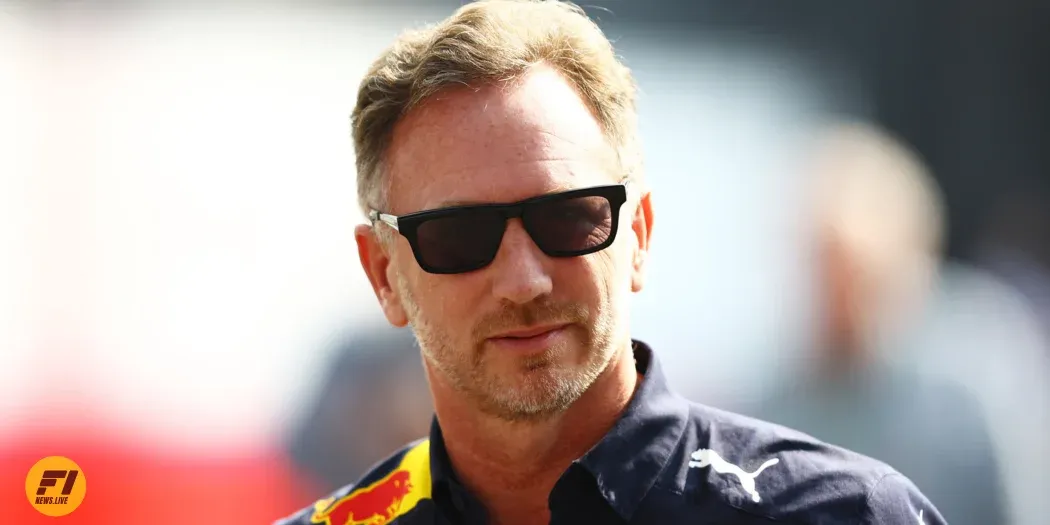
390,220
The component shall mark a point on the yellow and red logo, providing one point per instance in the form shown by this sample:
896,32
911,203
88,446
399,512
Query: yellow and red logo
377,503
55,486
384,500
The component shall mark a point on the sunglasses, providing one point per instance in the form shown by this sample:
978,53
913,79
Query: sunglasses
462,239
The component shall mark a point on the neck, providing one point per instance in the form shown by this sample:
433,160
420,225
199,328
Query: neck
512,466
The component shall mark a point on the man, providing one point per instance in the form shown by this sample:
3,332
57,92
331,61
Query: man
875,274
498,160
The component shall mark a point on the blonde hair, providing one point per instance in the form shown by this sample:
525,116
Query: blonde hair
491,41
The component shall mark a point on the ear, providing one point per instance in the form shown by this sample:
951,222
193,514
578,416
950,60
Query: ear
642,227
375,260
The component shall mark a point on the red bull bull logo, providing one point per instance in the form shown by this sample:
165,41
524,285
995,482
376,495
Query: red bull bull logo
376,504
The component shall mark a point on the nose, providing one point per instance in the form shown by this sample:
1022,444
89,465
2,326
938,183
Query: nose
520,270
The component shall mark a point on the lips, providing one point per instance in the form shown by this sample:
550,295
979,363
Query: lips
525,333
532,340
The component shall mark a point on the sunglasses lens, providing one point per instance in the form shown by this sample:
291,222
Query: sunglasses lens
570,226
465,241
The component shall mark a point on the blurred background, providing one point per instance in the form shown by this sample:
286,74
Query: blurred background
852,238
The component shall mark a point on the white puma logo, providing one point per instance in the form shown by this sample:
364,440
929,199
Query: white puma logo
920,518
707,457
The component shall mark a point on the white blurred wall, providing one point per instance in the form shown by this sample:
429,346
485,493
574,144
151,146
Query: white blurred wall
17,62
178,213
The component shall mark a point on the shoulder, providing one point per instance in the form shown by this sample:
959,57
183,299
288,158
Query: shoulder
779,474
895,499
390,489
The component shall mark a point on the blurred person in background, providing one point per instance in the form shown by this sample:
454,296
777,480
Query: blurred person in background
879,227
498,161
373,400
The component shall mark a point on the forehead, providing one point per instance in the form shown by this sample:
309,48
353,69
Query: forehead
497,143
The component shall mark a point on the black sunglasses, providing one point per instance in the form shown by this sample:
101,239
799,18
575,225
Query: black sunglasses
462,239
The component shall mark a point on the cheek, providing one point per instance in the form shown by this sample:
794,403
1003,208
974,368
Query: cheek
606,273
449,302
453,311
616,264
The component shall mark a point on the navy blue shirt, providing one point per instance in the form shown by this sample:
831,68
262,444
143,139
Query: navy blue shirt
666,460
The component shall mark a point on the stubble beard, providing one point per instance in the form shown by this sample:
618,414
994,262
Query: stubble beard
541,386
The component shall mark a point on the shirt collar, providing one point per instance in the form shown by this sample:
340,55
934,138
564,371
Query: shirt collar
452,498
628,460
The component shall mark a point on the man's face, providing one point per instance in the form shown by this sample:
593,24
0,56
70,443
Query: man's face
502,145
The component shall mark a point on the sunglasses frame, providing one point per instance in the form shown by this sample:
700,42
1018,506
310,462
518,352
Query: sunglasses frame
407,225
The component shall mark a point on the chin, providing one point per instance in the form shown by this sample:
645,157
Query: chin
528,394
